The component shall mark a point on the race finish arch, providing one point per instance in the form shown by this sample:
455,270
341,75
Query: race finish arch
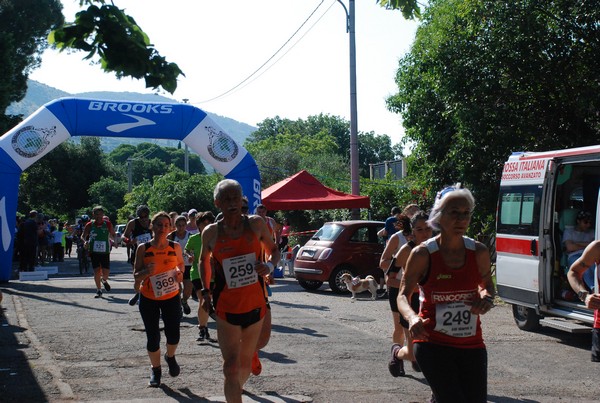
63,118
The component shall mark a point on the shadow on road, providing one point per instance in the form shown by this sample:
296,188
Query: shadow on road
17,381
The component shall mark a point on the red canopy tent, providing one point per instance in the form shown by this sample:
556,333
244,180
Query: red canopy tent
303,191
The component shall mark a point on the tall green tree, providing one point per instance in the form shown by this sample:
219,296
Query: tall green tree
24,25
485,78
296,140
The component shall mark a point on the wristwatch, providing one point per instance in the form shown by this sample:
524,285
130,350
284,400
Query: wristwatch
582,295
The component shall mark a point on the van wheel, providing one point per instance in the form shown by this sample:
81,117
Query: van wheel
526,318
335,280
310,285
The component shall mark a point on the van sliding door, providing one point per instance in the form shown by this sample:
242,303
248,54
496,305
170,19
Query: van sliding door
517,244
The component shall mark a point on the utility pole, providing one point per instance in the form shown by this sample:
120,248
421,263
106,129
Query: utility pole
186,155
354,177
129,175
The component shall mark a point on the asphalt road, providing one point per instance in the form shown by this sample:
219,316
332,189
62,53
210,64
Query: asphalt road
61,344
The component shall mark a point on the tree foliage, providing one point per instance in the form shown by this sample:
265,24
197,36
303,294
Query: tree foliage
172,191
109,193
485,78
58,184
121,46
24,25
409,8
298,141
150,159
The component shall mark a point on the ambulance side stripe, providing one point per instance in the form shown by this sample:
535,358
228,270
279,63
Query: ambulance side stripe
518,246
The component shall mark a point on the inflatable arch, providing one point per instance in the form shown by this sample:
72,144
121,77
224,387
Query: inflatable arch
63,118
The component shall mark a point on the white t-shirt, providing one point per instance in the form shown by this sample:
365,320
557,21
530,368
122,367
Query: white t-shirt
571,234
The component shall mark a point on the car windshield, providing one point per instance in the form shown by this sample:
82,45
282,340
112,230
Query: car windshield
328,232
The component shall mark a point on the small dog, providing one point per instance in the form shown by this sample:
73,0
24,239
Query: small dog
358,285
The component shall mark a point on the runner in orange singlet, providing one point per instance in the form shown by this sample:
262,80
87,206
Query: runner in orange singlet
235,243
159,266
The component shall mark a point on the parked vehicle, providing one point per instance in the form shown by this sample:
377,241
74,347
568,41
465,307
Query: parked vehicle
337,248
540,195
119,230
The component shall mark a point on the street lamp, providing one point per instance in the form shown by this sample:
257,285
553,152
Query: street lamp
354,177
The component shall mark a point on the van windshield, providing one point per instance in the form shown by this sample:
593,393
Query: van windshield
328,232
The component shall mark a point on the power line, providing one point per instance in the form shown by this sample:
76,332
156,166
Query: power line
287,51
268,60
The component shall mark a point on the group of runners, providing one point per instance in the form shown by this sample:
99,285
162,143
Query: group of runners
226,263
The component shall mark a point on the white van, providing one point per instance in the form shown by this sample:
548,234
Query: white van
540,195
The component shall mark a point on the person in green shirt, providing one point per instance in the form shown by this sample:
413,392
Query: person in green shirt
97,235
193,248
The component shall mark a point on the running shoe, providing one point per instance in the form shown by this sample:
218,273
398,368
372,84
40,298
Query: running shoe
395,365
202,334
155,376
211,313
174,368
256,365
98,294
106,285
186,307
206,335
382,294
133,300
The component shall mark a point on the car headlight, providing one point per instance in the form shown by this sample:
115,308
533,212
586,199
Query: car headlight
325,254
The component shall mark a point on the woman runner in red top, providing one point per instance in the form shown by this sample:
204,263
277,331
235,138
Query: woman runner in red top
456,286
235,243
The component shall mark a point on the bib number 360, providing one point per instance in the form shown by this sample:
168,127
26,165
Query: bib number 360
239,270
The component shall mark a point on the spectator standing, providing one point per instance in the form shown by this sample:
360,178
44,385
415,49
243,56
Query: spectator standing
58,251
29,246
454,276
68,239
43,240
285,234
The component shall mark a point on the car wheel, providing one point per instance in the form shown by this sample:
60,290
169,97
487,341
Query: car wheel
335,280
526,318
310,285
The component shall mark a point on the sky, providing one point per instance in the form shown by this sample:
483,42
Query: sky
220,44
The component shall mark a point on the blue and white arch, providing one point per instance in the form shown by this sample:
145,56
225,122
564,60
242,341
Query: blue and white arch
63,118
